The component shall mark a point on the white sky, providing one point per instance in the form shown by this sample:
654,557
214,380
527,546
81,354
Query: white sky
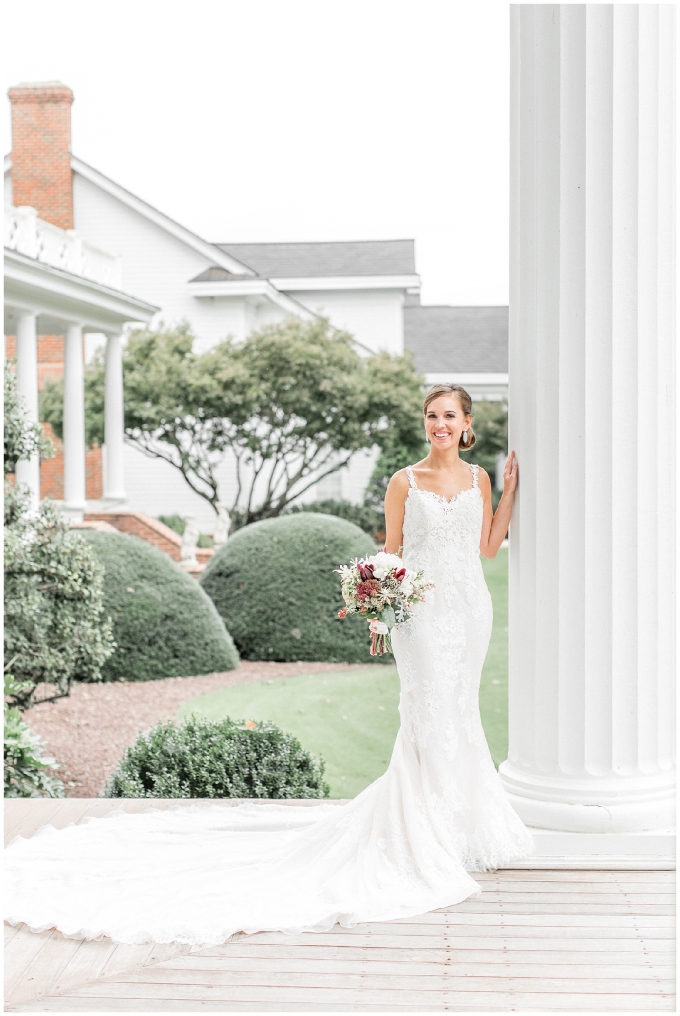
294,119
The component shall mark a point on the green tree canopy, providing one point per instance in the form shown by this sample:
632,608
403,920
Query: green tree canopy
292,403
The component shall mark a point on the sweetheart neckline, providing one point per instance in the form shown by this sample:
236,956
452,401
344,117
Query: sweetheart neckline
440,497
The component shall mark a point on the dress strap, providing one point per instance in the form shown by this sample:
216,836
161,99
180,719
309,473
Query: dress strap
475,470
411,479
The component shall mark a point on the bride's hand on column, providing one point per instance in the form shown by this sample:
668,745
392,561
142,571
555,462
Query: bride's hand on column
510,474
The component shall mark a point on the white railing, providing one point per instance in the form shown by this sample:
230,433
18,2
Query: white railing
61,248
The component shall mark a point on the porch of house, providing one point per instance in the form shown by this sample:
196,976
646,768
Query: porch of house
541,938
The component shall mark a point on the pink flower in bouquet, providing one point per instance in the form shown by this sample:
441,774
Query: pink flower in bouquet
342,613
366,589
400,574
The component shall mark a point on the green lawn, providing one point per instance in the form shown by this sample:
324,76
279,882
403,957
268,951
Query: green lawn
350,718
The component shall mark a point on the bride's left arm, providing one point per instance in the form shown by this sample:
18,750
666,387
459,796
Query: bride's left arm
495,527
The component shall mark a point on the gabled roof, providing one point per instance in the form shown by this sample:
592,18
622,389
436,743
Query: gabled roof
457,339
334,258
212,253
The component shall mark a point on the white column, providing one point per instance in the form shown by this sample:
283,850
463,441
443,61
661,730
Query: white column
28,470
592,417
74,422
114,421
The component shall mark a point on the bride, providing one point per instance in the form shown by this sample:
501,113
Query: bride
404,846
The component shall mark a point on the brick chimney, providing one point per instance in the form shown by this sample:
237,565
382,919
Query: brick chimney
41,150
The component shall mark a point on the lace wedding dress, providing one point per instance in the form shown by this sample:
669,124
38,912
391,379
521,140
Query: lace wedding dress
404,846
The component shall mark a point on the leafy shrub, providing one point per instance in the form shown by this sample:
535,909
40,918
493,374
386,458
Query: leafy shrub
56,628
362,515
23,439
177,524
275,586
27,769
226,758
163,623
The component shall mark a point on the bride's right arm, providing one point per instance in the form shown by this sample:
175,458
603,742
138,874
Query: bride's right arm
395,499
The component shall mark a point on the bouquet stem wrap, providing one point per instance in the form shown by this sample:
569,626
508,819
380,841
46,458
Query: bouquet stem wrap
380,638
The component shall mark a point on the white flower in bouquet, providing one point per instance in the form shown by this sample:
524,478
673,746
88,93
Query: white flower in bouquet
384,563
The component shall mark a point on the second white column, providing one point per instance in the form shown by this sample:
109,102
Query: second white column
74,422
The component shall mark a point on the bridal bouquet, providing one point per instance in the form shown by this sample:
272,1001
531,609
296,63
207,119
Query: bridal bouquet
382,590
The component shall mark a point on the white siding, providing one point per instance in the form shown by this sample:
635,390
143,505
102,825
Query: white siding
374,316
157,268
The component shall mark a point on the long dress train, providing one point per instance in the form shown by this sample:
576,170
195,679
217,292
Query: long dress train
404,846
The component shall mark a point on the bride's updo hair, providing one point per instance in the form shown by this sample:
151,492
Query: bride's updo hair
466,404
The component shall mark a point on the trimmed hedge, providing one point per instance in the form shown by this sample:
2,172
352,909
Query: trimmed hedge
275,586
164,625
224,758
362,515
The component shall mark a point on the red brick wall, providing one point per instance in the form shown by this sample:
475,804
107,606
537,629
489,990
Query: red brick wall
151,530
52,470
41,159
143,526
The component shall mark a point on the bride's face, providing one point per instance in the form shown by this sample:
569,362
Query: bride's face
445,421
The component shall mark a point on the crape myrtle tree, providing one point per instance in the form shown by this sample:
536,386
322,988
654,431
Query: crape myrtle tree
292,403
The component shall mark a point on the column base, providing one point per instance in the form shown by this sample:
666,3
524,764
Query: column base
73,511
626,805
107,503
648,851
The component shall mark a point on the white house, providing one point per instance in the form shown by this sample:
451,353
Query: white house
368,287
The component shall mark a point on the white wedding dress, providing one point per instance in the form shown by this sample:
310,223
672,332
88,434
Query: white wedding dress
404,846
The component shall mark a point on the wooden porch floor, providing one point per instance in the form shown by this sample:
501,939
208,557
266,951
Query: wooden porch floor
536,939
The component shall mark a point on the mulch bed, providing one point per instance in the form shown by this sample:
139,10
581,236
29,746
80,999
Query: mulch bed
89,731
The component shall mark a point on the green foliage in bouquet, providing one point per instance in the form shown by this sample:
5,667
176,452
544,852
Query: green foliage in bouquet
275,586
224,758
163,623
28,771
56,627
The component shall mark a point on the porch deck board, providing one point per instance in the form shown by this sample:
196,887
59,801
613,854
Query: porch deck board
535,940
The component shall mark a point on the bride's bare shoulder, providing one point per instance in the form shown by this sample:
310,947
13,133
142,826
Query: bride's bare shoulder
398,486
399,480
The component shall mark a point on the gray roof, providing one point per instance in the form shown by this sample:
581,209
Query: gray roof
343,257
469,339
217,274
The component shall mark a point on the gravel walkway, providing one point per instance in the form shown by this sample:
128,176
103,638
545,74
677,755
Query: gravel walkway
89,731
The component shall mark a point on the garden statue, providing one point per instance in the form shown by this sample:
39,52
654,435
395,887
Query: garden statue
222,526
189,542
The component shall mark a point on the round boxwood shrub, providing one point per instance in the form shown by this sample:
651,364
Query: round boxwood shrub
164,625
275,586
224,758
